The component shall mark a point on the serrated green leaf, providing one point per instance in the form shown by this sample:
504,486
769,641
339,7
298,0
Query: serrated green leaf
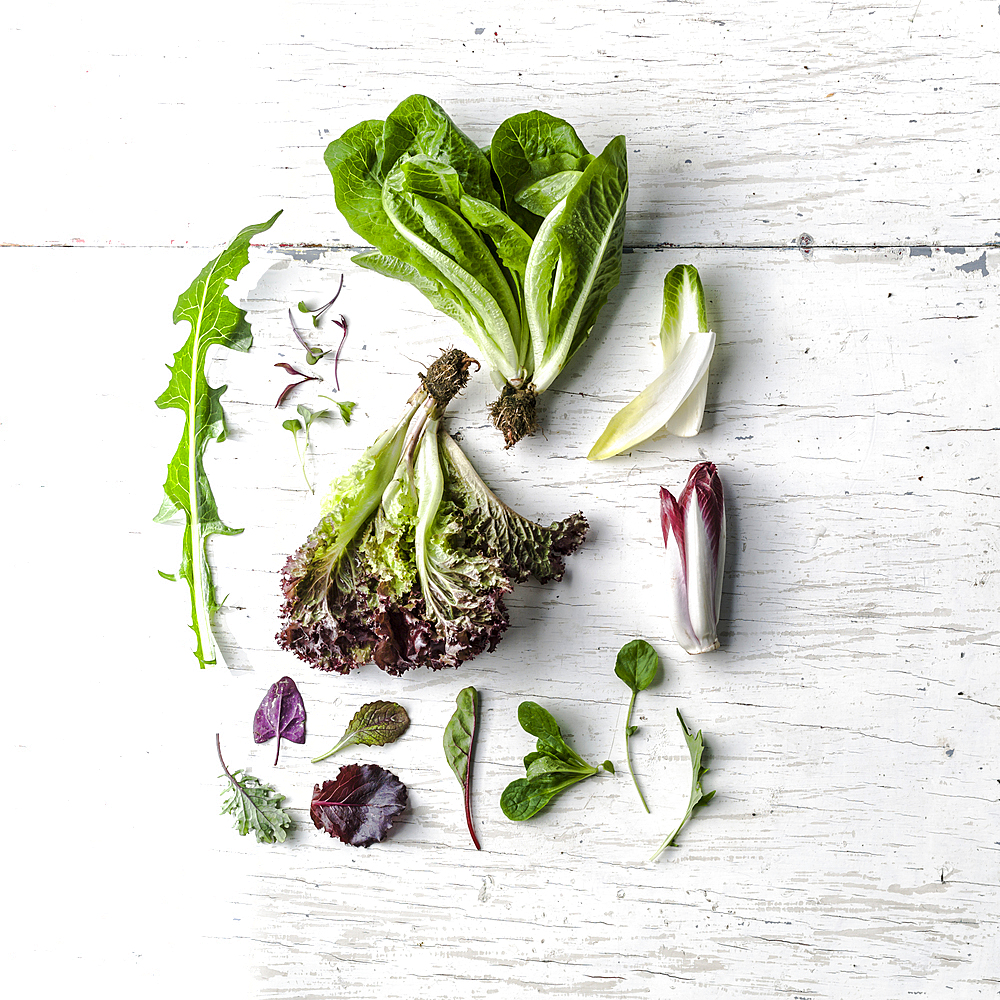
373,725
696,748
213,321
255,805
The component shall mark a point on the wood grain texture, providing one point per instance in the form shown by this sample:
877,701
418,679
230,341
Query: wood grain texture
852,715
853,124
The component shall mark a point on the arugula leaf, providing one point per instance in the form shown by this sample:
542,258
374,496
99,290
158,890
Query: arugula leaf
696,747
554,766
459,739
214,321
255,805
373,725
281,713
636,665
360,806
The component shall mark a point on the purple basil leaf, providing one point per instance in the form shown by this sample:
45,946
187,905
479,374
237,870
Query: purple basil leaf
281,713
360,806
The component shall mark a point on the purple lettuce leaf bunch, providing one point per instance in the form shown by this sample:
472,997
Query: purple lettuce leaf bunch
414,552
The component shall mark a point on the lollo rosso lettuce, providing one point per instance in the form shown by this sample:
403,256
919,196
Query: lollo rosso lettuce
410,562
520,243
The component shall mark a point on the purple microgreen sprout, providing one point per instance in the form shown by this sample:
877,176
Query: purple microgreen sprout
313,354
342,323
291,385
318,313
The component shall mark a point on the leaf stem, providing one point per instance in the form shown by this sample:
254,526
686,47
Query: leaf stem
302,460
628,753
218,748
344,742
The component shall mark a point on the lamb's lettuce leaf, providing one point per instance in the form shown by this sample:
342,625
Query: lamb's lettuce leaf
214,322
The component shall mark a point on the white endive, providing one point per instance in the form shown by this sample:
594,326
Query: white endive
694,532
676,399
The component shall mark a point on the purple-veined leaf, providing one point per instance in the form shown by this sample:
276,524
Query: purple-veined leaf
360,805
282,713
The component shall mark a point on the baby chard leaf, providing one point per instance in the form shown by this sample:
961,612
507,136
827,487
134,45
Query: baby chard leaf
636,665
255,805
553,766
281,713
214,321
360,806
459,738
373,725
696,747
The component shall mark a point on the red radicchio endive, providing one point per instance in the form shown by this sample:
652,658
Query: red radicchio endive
694,532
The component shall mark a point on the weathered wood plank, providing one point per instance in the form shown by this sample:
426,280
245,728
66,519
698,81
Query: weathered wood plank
848,123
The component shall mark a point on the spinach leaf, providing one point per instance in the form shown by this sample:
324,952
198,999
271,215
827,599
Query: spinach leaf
373,725
636,665
696,747
255,805
213,321
554,766
459,740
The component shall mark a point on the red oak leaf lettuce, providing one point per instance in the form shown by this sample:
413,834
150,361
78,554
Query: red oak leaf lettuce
409,565
360,806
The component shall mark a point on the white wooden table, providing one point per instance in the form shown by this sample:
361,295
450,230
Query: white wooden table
832,170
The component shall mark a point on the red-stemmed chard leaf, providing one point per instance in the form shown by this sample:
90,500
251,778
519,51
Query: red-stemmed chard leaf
291,385
459,739
360,806
282,713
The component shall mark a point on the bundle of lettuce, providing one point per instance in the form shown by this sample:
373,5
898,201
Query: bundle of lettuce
410,562
520,243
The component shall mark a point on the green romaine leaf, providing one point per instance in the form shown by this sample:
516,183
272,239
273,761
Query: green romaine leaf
373,725
553,766
588,229
214,321
459,741
696,747
422,199
255,805
636,665
543,196
526,149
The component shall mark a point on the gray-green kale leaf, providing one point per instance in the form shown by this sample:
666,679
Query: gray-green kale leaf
255,805
214,322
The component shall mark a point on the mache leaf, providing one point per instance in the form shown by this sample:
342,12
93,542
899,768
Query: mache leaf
214,321
553,766
373,725
281,713
255,805
696,748
636,665
459,740
360,805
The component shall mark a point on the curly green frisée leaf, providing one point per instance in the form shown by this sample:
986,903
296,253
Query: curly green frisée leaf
696,747
214,321
459,739
553,767
255,805
373,725
636,665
